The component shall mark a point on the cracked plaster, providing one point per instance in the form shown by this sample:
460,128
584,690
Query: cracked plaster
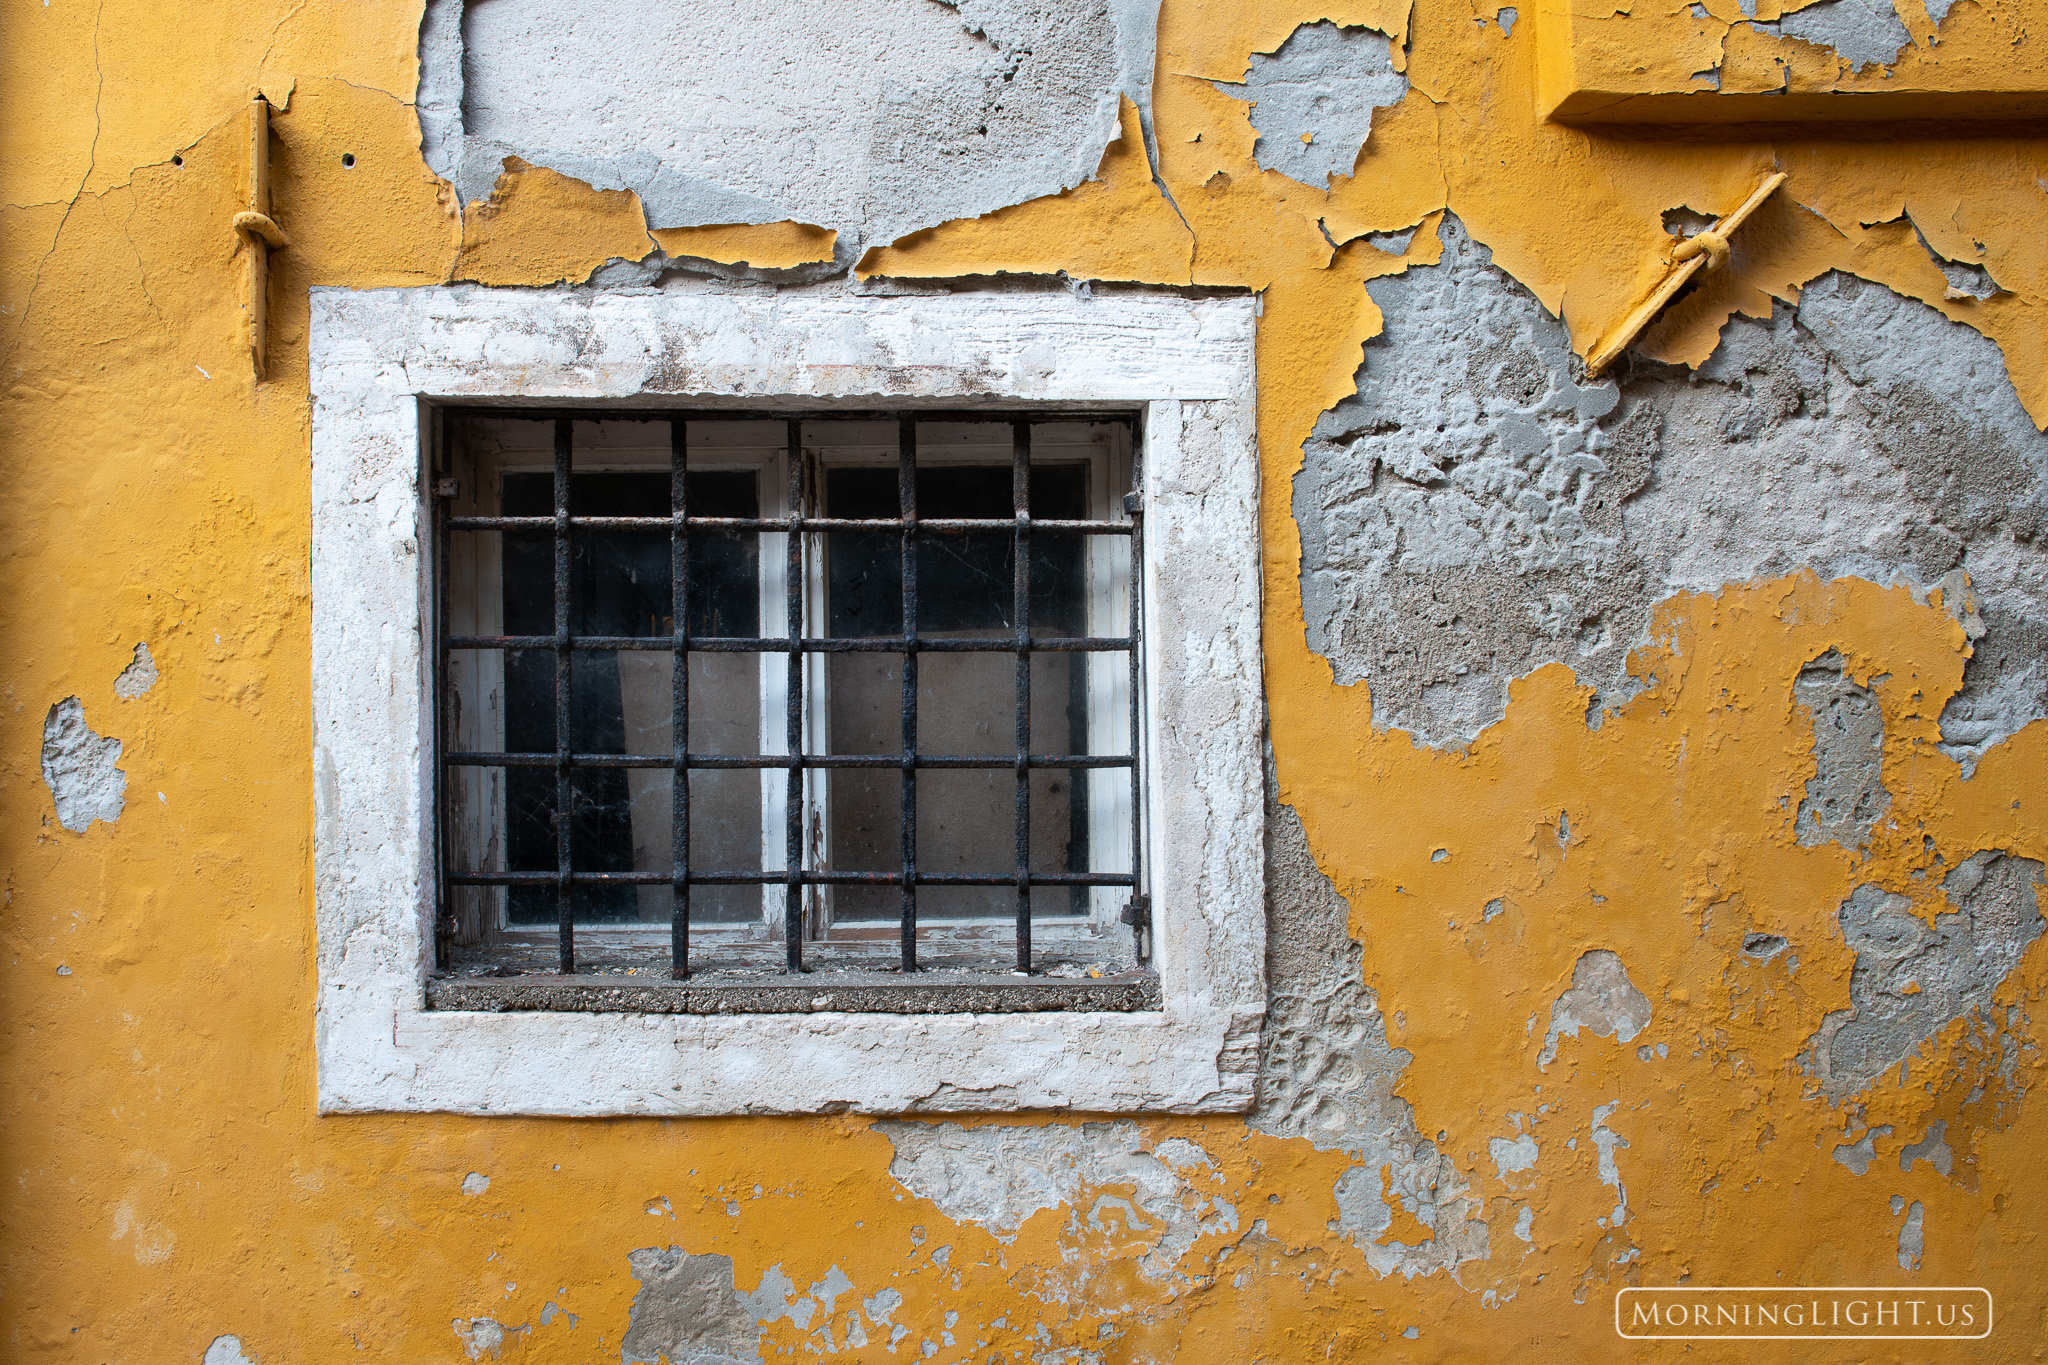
873,118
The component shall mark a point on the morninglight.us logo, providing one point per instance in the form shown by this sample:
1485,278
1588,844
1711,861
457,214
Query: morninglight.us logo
1765,1312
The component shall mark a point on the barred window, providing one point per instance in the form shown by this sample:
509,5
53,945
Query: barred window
813,689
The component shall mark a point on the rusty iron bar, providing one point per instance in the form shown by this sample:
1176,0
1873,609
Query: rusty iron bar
776,644
679,700
906,503
819,525
565,899
776,876
793,804
1020,622
459,759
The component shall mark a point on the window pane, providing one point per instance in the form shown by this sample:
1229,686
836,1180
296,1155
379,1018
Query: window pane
620,700
966,702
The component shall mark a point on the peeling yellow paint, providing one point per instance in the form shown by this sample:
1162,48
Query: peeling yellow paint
167,1179
1113,227
766,246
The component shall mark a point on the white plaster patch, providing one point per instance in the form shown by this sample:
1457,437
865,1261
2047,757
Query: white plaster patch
1514,1155
78,768
1601,1000
483,1337
1186,362
1606,1140
475,1183
998,1177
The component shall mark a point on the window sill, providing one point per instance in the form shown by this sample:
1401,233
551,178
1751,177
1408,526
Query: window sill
818,992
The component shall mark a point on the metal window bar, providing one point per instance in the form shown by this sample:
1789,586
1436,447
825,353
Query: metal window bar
1020,613
794,876
565,899
906,508
679,705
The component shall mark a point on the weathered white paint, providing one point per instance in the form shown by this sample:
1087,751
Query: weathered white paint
374,357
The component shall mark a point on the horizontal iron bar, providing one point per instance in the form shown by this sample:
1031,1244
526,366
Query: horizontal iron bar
936,525
780,644
779,761
778,877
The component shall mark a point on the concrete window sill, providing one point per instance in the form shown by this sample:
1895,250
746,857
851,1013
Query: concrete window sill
820,992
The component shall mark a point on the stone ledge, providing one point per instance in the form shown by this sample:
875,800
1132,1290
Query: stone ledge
822,992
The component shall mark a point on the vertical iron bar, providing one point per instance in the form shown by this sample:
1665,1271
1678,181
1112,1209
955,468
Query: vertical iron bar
565,908
1141,939
679,707
1020,607
793,805
443,895
906,498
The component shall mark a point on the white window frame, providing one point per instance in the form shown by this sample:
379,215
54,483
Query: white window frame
379,358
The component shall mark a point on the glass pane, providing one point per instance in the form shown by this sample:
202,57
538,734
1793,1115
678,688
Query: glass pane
620,701
966,702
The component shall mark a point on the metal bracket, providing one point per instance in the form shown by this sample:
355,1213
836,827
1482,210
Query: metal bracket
1137,913
258,235
1707,250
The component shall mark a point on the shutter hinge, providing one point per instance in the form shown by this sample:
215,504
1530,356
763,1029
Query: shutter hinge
1137,912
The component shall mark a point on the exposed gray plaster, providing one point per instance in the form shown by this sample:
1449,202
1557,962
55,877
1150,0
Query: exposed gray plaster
874,117
138,677
227,1350
1858,1155
1313,98
1911,1239
484,1337
1910,979
1932,1149
1327,1072
1861,32
78,768
687,1312
1605,1142
1474,511
1846,794
1601,1000
1393,243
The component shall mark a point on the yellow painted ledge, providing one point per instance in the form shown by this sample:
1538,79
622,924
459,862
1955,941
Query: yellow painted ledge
1598,66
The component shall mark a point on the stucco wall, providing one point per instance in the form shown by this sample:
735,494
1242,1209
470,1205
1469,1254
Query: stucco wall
1657,761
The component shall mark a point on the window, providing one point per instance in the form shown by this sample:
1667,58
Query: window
939,773
474,448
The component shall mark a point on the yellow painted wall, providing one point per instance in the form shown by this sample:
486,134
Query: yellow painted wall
167,1180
